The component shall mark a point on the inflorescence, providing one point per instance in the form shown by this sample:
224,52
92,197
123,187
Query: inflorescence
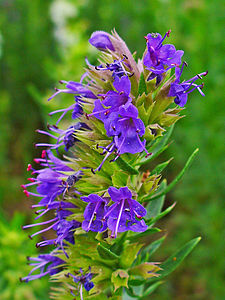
108,114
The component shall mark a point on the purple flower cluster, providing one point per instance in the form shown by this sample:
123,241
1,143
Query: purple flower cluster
160,58
120,118
51,182
123,215
180,90
79,91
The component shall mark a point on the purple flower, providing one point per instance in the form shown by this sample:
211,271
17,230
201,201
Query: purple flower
50,184
47,263
78,90
63,228
94,213
66,137
126,213
65,232
50,181
113,100
181,90
83,281
117,68
160,58
101,40
126,129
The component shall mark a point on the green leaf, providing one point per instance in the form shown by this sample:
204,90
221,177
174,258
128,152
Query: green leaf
159,168
117,247
158,147
105,253
161,215
136,282
179,176
129,254
119,178
126,167
154,207
119,278
150,289
142,86
140,235
174,261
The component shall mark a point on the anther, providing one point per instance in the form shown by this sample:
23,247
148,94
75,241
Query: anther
148,155
122,92
36,160
92,170
146,38
60,81
30,237
86,115
56,89
185,63
97,146
124,55
43,154
132,74
31,179
29,167
168,33
26,193
200,77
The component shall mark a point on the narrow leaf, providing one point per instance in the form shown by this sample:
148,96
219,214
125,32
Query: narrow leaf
151,289
158,169
129,254
125,166
158,147
139,235
106,253
174,261
179,176
154,207
142,86
161,215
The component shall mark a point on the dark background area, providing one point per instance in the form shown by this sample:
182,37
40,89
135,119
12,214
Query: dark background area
44,41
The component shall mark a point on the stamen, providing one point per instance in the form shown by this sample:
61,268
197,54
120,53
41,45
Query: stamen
119,217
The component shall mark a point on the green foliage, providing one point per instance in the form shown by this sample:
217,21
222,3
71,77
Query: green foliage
14,249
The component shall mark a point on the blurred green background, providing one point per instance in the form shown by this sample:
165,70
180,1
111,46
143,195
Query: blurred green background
44,41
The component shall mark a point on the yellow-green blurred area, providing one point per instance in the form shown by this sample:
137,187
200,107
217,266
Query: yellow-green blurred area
42,42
